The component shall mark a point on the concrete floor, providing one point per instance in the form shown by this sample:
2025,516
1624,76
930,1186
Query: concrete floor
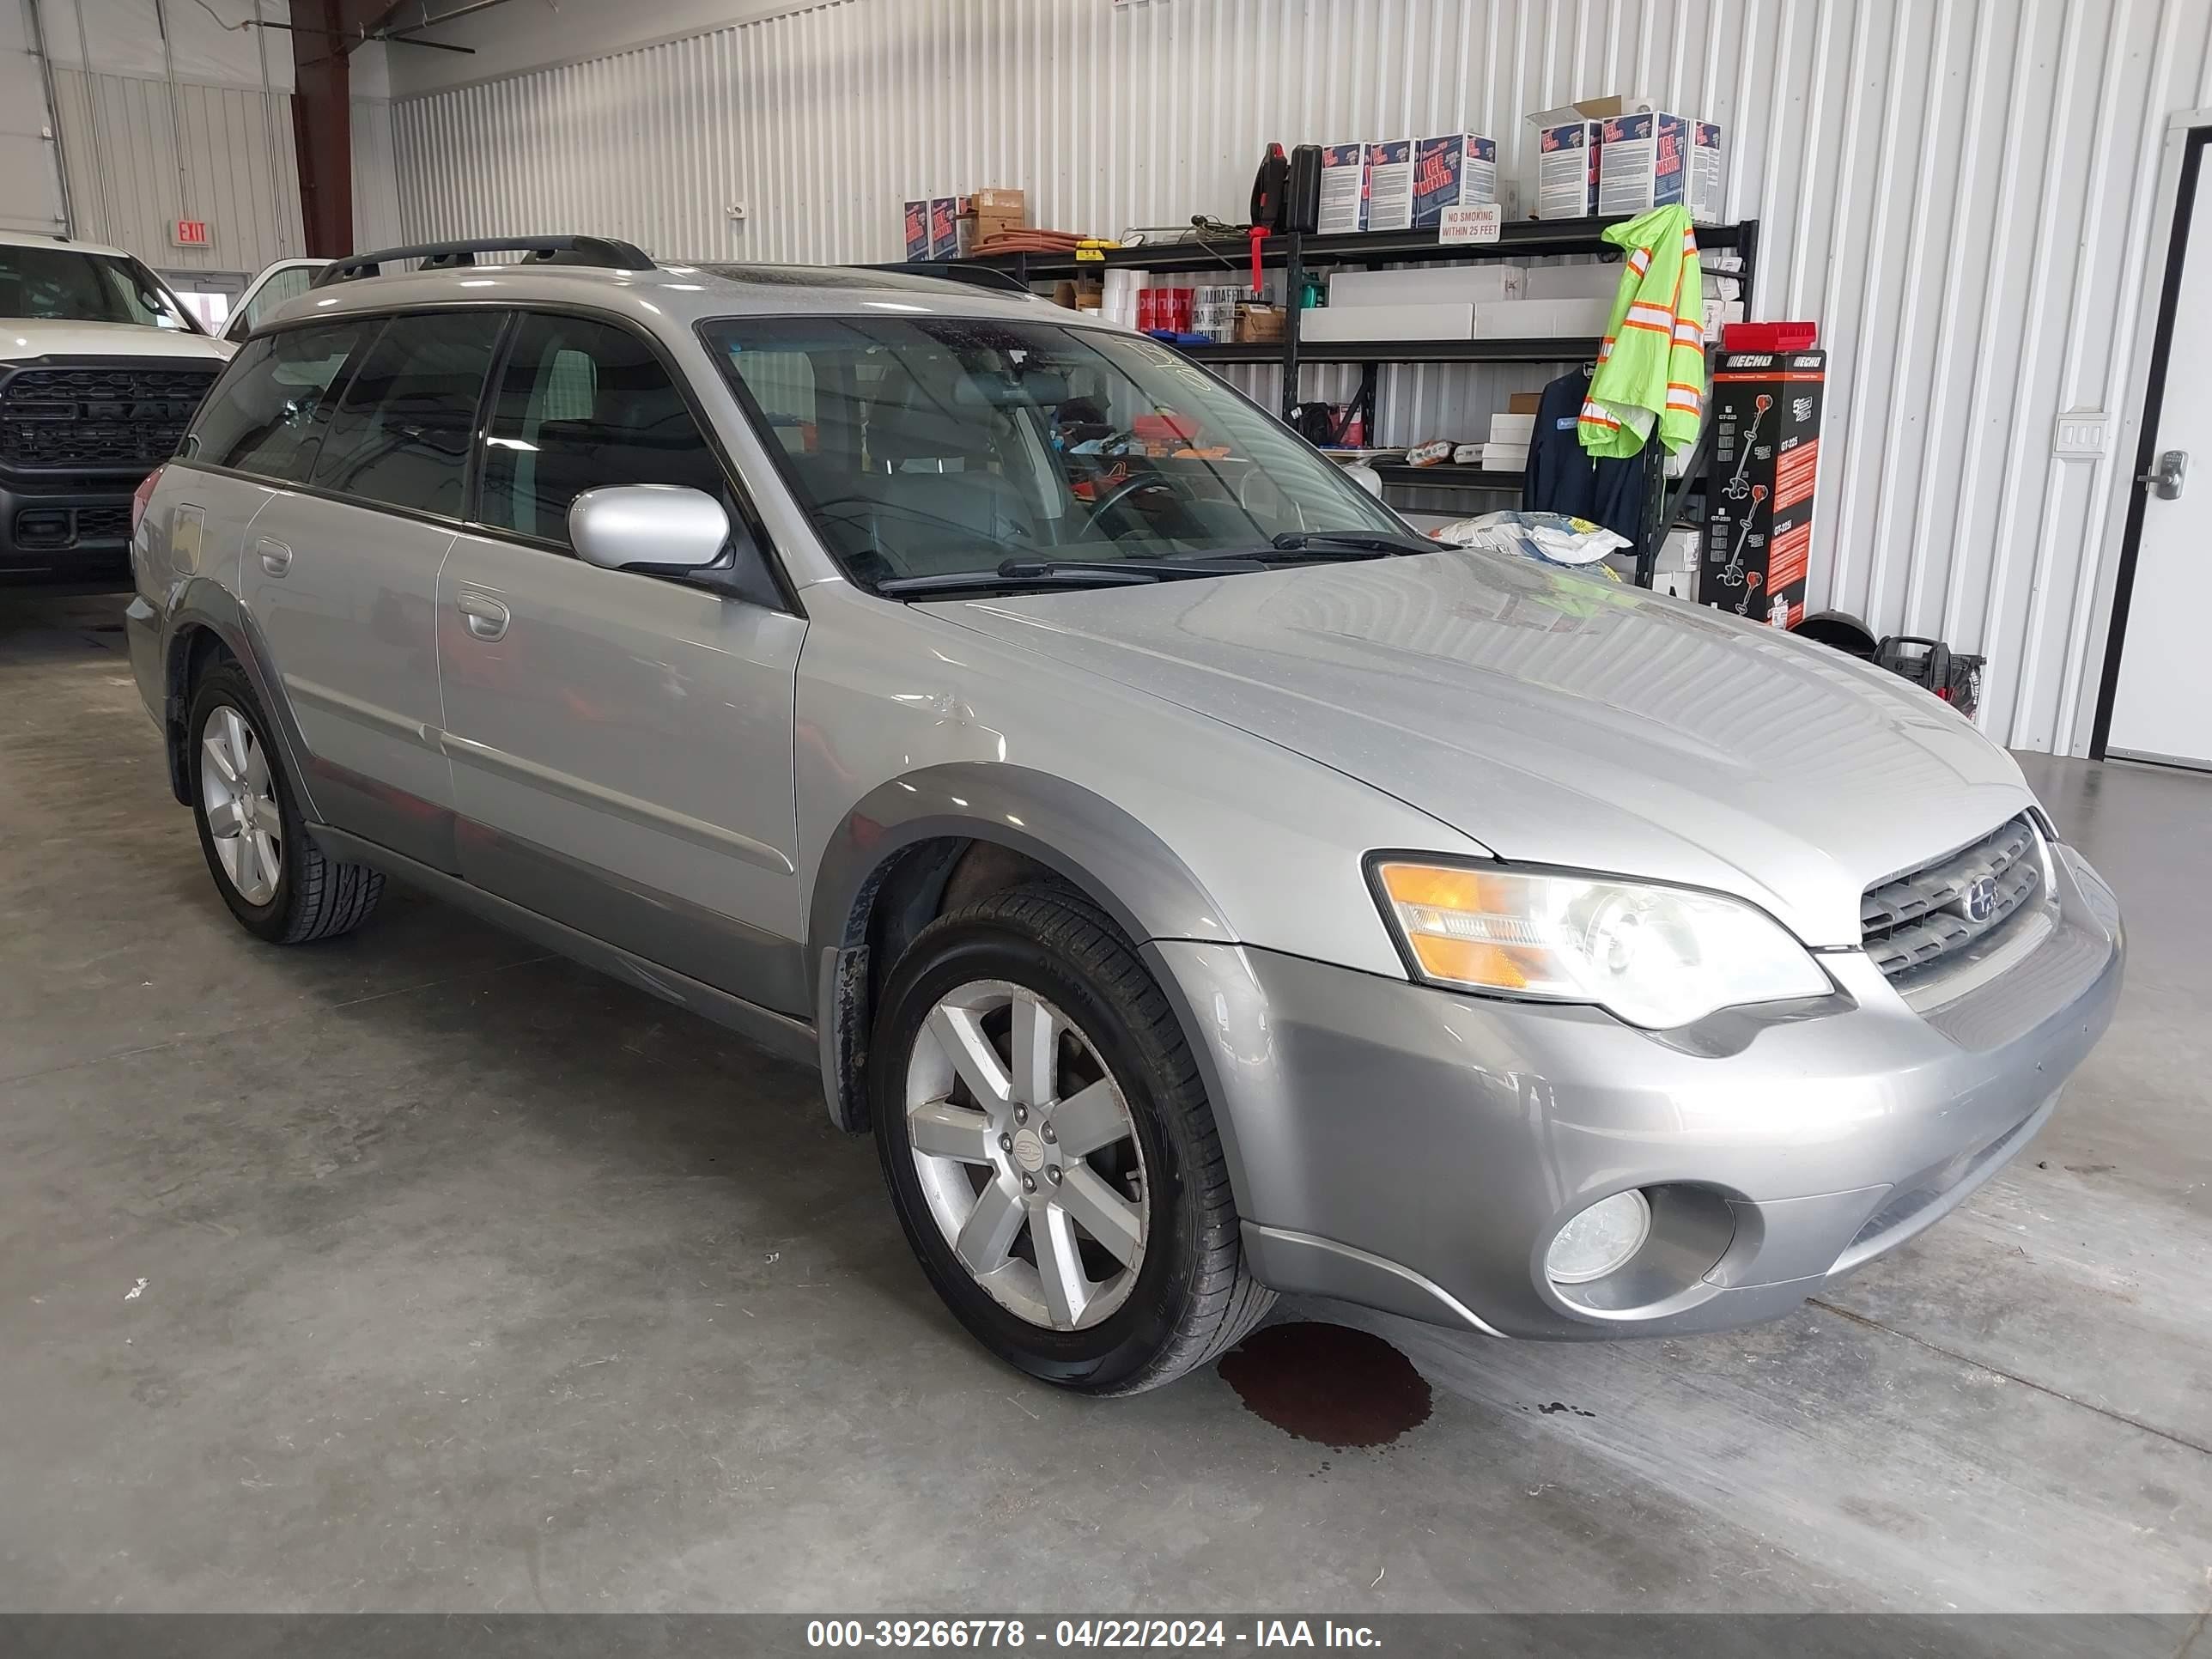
471,1281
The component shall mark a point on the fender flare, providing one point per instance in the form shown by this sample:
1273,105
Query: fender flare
1098,848
201,604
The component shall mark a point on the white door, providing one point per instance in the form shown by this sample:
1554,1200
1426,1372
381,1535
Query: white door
2162,700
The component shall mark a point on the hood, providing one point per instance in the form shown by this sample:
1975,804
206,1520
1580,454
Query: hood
42,337
1559,718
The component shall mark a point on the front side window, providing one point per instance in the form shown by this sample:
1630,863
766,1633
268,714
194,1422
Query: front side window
583,405
943,447
267,414
400,437
64,284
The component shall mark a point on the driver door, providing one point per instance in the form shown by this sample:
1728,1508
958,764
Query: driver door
622,744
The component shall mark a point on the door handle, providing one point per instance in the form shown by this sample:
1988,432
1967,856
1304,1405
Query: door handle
487,618
275,557
2165,479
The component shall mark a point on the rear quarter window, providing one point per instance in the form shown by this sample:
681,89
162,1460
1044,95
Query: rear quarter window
401,435
268,412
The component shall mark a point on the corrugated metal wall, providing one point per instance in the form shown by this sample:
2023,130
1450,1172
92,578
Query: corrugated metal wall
1957,189
240,173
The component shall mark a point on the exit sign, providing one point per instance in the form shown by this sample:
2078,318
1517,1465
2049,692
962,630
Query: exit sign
189,233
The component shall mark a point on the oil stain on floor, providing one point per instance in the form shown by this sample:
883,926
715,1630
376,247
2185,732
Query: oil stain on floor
1328,1383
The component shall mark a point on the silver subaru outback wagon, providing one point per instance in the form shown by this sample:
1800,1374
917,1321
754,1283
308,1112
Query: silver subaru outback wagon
1200,885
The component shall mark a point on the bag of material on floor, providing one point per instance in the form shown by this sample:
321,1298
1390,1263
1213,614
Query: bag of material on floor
1547,537
1652,368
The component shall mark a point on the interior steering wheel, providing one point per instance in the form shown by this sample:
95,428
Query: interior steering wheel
1136,483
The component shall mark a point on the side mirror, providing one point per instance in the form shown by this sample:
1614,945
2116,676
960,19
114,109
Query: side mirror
664,528
1366,478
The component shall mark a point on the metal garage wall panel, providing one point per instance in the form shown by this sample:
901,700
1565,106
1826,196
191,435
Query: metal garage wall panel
1959,191
240,173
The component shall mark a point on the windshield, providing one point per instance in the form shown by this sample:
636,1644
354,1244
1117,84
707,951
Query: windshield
927,450
66,285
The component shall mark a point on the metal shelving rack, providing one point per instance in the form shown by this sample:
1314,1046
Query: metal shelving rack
1296,253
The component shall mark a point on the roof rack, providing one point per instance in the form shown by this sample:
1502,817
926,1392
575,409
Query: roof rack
601,251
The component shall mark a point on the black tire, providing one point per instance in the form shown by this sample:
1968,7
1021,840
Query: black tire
1193,1296
316,898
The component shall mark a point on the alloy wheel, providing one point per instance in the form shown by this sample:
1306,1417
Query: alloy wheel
1027,1155
238,799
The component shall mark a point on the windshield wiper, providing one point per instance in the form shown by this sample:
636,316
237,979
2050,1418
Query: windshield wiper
1046,574
1370,544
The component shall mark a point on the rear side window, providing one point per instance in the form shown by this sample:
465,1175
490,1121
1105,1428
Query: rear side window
267,414
400,437
581,405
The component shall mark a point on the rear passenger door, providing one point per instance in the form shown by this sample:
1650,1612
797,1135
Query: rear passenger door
621,744
341,577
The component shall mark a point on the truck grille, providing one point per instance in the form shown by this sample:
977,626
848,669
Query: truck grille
1915,920
91,417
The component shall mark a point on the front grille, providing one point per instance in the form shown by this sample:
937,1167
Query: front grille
1916,920
95,415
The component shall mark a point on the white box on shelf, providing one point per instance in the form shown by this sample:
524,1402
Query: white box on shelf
1509,428
1471,284
1583,282
1527,320
1434,321
1566,170
1457,170
1505,458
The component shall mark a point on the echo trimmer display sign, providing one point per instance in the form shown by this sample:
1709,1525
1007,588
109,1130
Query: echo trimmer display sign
1766,454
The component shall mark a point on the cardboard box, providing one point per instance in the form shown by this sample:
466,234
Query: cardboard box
917,230
1506,428
1000,199
1505,458
1389,187
1525,403
945,227
1706,193
1259,325
1766,452
1343,189
1433,321
1641,162
1457,170
1472,284
1566,170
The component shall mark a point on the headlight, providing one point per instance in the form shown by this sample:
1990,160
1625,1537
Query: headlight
1657,957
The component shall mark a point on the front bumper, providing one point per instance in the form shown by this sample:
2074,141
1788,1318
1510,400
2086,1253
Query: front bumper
1416,1149
66,530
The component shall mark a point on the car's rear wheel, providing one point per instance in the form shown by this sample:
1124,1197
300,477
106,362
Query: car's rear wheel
1050,1149
276,880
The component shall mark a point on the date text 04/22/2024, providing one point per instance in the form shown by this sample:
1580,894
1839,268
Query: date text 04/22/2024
1157,1633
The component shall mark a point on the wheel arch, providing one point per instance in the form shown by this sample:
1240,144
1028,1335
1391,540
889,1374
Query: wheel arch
940,837
205,620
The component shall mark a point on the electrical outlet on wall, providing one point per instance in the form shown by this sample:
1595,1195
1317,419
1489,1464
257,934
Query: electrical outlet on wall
2079,434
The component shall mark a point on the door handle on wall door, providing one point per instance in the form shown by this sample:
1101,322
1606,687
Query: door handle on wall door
2165,479
487,618
275,557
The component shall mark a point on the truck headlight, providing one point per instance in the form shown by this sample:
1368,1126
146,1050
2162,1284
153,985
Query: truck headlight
1656,957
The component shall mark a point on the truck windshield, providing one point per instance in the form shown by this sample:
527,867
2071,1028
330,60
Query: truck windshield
66,284
937,447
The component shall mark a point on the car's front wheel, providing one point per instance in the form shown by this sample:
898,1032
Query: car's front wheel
1050,1149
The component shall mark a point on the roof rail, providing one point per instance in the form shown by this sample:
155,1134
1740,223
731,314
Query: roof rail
601,250
958,270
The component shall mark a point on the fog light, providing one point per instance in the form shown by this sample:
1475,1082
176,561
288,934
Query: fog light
1601,1238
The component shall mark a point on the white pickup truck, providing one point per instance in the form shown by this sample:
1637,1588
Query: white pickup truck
101,368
